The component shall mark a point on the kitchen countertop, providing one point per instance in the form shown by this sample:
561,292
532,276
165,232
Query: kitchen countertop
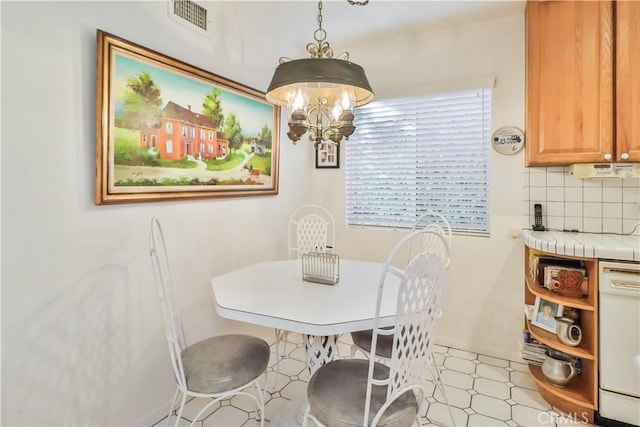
585,245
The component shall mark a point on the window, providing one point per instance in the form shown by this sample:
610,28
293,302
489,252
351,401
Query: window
202,134
202,147
184,130
210,135
169,128
418,154
169,146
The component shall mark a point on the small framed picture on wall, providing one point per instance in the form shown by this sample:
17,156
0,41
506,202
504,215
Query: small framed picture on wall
328,155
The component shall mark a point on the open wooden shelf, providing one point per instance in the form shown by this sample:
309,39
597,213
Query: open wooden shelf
575,392
579,303
581,392
551,340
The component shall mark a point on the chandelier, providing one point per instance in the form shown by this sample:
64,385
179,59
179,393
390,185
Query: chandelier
320,92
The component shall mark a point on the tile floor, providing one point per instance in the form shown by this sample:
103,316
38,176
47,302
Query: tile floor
482,391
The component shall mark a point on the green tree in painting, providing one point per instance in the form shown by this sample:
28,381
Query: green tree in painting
233,131
211,107
142,101
265,136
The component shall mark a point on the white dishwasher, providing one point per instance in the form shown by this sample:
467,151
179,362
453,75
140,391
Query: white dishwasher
619,318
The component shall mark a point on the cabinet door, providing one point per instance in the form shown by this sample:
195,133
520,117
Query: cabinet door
627,81
569,82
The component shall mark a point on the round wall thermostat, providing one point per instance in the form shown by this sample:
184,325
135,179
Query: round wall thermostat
507,140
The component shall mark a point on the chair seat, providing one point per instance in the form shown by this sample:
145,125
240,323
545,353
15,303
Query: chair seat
384,345
222,363
337,394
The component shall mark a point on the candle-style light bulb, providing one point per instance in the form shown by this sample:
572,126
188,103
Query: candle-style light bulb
297,100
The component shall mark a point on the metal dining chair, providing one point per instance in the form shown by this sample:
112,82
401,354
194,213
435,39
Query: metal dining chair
218,367
365,392
311,229
428,221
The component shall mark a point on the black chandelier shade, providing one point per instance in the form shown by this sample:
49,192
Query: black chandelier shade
318,75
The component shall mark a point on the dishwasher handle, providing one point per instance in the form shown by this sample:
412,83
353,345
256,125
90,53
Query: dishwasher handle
620,270
619,284
620,278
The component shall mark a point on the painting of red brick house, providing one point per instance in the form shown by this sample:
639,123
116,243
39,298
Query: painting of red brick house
183,133
166,130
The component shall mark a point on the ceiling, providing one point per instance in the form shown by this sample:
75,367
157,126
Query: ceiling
291,24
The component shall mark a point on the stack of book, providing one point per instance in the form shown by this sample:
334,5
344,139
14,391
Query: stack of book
533,352
566,277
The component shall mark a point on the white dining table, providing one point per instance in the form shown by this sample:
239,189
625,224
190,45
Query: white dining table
273,294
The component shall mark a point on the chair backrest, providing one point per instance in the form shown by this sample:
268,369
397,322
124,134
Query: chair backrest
432,220
170,312
435,222
311,229
420,287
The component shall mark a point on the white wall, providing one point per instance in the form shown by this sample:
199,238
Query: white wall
81,333
483,301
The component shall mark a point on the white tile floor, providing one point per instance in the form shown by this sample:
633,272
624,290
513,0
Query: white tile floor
482,390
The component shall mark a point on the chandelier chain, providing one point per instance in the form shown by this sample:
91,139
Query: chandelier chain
322,49
320,34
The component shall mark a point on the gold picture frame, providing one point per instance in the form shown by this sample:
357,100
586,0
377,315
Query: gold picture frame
167,130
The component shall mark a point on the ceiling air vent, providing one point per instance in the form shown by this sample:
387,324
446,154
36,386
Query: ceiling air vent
190,13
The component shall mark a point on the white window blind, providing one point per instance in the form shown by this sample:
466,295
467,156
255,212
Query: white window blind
412,155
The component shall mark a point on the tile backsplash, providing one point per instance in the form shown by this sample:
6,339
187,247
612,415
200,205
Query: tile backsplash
604,205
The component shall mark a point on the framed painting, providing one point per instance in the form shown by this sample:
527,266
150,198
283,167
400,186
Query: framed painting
166,130
328,155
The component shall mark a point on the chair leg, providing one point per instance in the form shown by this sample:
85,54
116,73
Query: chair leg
280,336
285,339
436,373
183,402
260,399
305,419
173,404
204,408
262,392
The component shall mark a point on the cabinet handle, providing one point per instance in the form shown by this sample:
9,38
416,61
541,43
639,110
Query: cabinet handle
607,156
624,156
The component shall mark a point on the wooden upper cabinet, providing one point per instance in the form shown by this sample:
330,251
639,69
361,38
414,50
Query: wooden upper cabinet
628,81
569,82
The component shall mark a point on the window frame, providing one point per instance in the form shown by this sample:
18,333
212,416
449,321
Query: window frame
463,217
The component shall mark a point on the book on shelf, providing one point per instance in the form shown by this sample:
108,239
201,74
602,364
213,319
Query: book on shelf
566,277
533,351
538,263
